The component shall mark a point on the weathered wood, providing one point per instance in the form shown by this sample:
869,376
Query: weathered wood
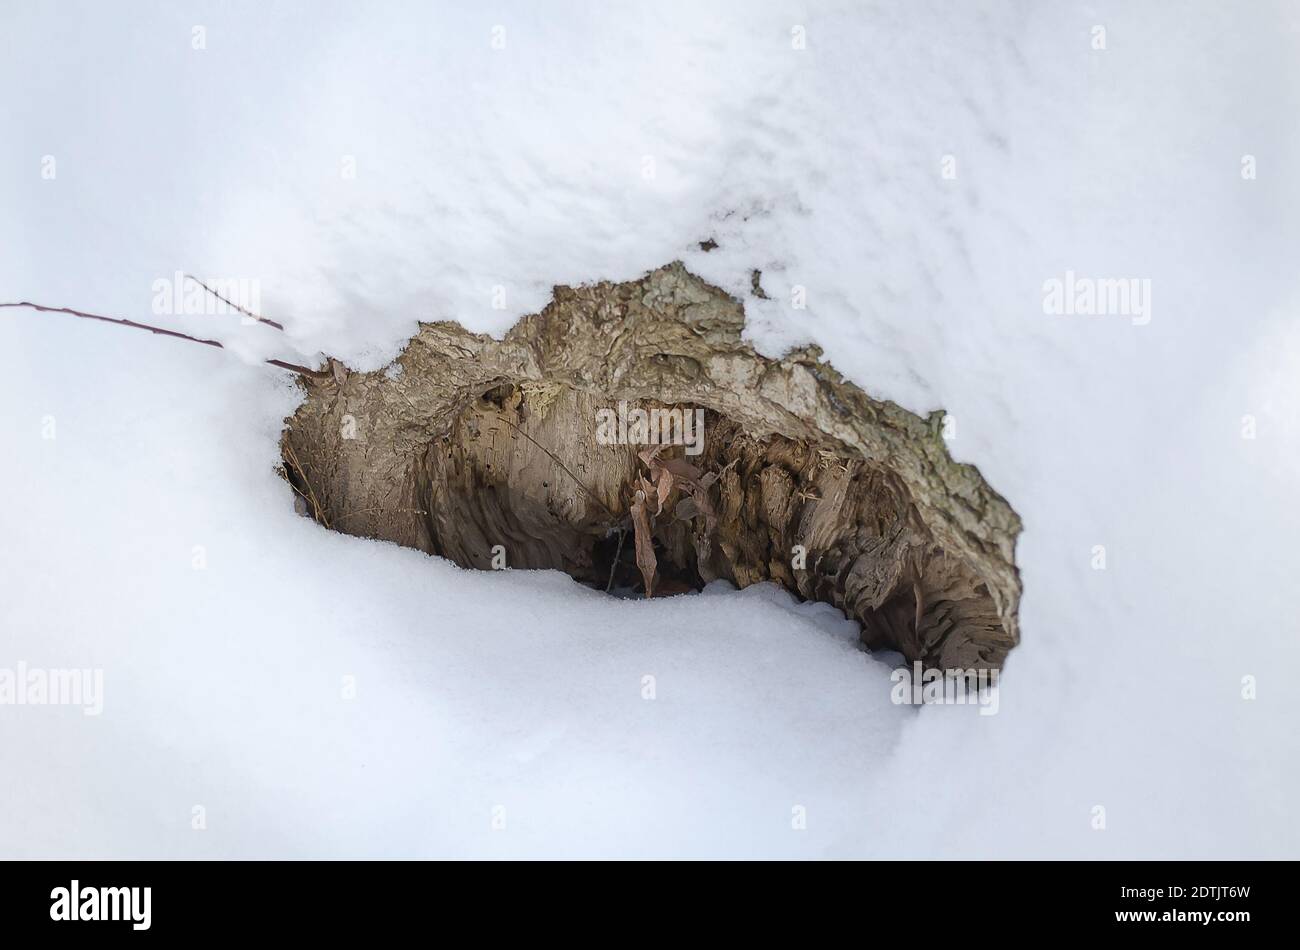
814,485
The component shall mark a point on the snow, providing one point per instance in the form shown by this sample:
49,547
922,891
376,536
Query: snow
486,176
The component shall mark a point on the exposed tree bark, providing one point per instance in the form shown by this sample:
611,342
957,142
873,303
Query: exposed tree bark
494,442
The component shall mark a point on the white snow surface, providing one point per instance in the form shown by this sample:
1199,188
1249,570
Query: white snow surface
502,714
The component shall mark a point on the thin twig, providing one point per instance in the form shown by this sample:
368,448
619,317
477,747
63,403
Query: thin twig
231,303
293,367
317,512
622,533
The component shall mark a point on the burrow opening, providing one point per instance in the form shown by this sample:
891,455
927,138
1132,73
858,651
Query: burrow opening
529,453
545,479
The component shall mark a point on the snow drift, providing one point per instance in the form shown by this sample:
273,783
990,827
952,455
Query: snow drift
912,176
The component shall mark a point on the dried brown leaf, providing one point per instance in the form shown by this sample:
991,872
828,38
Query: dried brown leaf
686,509
664,485
645,549
706,508
650,456
682,469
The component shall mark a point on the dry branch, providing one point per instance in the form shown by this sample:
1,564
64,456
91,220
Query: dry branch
282,364
230,303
